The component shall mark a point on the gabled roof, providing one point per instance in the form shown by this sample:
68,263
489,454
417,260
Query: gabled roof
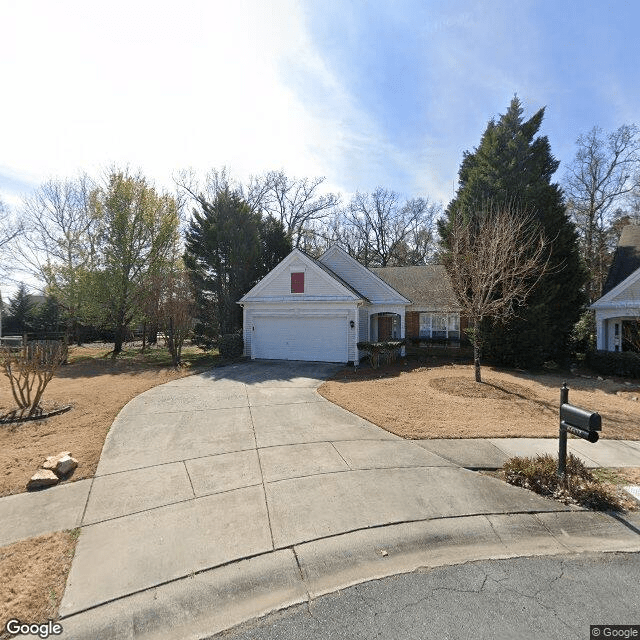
335,275
315,264
368,278
426,286
626,259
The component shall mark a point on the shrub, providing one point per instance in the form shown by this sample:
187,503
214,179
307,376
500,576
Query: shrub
583,336
581,487
615,363
231,345
387,351
29,369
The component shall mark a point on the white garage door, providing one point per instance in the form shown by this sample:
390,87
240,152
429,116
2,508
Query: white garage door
322,338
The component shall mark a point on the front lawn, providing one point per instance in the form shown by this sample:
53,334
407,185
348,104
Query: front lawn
96,387
443,401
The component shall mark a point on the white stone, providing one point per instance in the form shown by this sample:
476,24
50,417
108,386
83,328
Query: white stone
42,478
62,464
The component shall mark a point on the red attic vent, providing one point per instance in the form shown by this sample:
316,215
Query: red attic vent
297,282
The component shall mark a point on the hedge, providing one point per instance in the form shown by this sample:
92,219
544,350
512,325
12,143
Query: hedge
231,345
615,363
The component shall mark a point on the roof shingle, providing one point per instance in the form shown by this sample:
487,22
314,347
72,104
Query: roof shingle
426,286
626,259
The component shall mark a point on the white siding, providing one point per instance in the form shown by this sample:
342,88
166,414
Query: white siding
361,279
315,284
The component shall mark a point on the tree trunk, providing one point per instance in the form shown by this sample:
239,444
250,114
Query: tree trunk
476,360
118,340
171,344
152,333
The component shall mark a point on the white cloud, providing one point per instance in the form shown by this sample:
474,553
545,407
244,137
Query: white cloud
162,86
155,85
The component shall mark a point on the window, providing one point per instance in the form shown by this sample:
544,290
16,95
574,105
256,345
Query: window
297,282
440,326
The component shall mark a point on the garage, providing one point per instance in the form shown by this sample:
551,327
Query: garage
322,338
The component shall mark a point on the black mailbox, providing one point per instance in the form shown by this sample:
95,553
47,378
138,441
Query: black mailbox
580,418
580,422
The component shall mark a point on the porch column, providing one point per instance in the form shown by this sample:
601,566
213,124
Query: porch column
402,330
601,333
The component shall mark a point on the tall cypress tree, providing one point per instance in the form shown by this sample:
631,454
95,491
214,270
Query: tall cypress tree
229,247
512,165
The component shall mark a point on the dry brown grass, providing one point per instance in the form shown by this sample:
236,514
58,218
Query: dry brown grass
443,401
33,577
580,485
97,388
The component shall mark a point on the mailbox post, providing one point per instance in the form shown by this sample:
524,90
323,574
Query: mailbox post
582,423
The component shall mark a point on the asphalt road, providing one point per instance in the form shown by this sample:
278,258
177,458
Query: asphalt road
524,598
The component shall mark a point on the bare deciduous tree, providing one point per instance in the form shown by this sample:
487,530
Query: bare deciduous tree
10,230
59,246
605,169
177,313
296,202
384,232
495,257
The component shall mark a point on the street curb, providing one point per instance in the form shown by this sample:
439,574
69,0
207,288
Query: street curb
211,601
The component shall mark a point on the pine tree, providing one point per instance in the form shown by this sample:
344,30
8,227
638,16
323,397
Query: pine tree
48,318
21,310
229,248
512,165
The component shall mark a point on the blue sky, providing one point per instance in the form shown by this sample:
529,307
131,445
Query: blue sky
365,93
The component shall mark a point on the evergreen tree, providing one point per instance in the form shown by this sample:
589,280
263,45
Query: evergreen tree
512,165
229,248
48,317
21,311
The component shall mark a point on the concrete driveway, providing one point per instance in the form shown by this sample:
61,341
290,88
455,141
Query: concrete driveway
246,476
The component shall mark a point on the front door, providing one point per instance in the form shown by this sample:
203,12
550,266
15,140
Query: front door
385,327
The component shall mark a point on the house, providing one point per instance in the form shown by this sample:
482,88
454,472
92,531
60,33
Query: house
618,310
308,309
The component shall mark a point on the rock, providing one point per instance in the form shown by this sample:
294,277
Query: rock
62,464
42,478
600,378
635,398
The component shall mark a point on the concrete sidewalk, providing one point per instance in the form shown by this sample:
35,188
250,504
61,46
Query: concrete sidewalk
492,453
221,496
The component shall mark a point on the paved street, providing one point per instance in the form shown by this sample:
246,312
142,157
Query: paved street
543,598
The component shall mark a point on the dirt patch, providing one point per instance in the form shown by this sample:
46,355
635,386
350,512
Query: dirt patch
468,388
444,401
96,388
34,574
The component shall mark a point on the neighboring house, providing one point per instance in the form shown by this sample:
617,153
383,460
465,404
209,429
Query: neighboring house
307,309
618,310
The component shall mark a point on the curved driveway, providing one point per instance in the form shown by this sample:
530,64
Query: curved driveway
244,479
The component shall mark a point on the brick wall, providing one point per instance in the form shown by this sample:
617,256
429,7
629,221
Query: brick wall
412,322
